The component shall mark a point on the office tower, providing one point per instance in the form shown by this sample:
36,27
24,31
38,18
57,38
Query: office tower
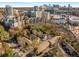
36,8
16,12
8,10
46,15
38,14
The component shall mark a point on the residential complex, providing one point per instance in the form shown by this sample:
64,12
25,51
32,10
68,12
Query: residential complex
44,31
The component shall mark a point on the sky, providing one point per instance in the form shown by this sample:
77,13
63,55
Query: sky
31,4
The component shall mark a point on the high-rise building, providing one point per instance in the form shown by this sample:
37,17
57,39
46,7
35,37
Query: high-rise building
43,8
36,8
16,12
38,14
46,15
8,10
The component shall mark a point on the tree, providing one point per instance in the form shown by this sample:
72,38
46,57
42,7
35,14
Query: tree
4,35
76,13
8,50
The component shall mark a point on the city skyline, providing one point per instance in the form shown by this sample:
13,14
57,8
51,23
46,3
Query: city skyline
31,4
39,29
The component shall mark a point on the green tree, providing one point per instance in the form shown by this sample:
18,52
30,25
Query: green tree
4,35
8,50
76,13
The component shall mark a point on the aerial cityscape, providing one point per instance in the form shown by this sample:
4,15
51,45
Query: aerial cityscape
39,29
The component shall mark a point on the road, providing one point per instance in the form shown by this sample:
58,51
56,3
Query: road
68,49
70,33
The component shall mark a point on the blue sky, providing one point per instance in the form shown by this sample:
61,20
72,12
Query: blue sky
30,4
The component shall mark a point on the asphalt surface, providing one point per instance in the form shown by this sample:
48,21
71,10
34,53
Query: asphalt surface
68,49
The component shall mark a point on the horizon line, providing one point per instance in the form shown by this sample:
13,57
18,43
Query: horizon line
32,4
